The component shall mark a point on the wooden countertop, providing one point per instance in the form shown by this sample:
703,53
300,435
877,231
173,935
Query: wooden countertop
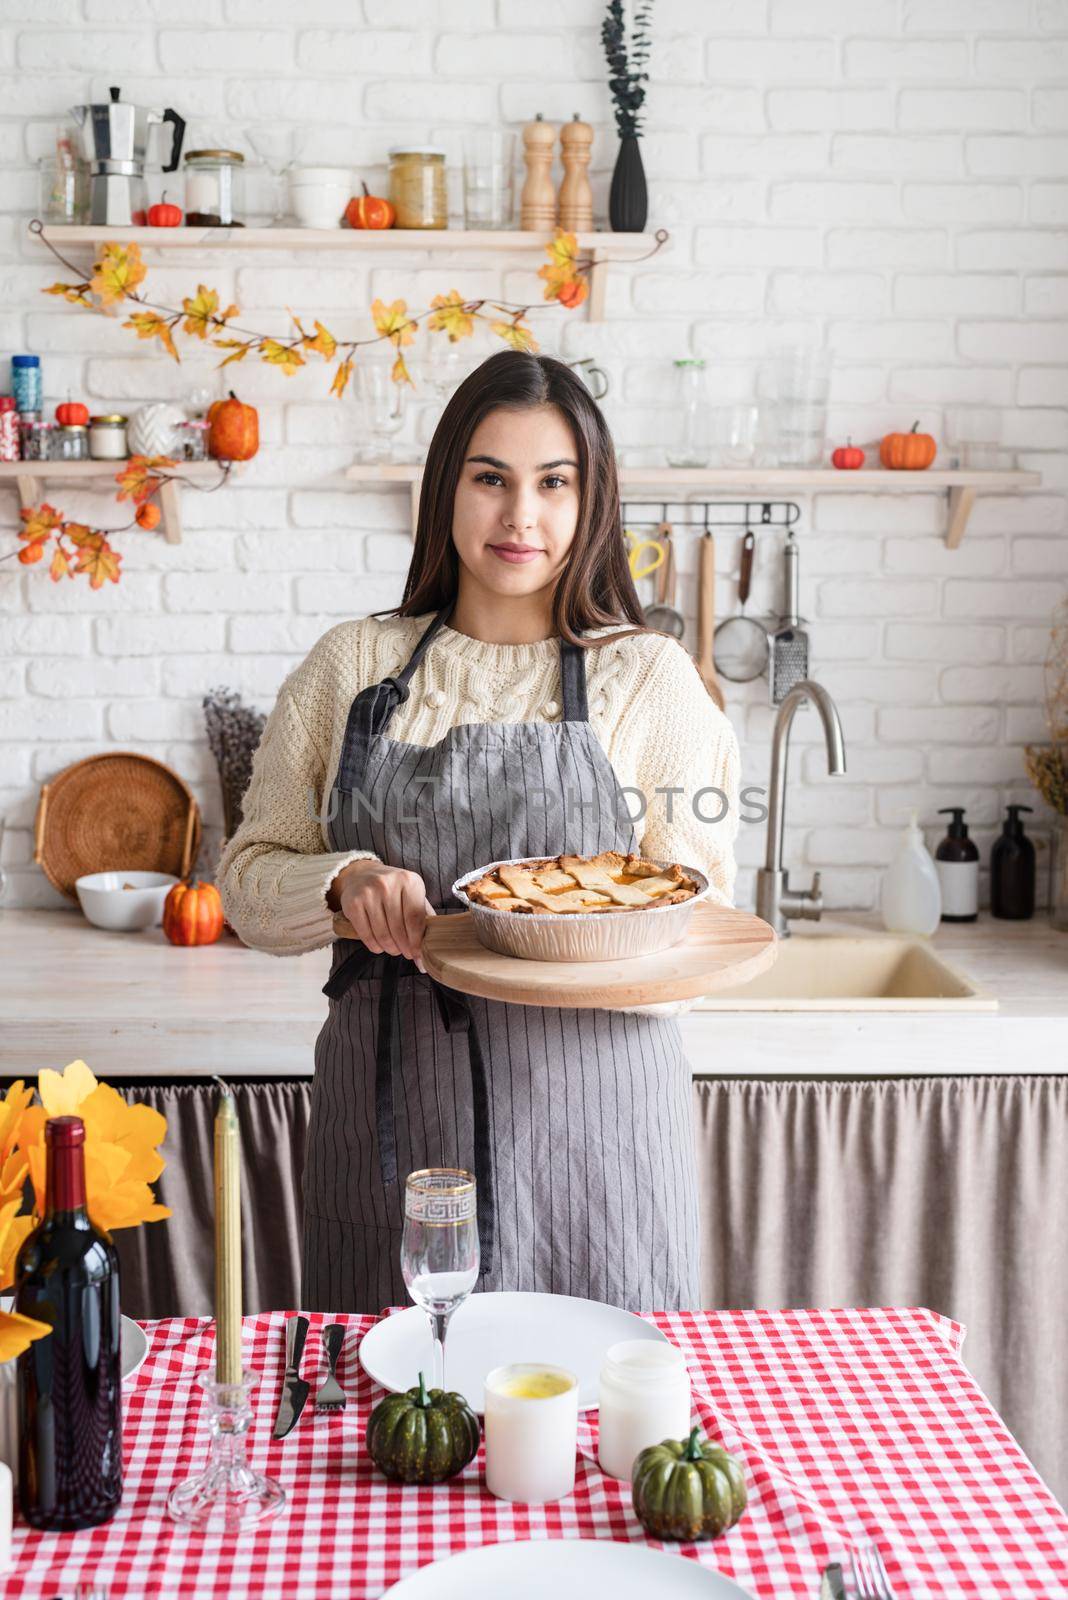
134,1006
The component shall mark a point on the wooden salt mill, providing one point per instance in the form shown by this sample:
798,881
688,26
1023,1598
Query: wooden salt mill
576,196
537,203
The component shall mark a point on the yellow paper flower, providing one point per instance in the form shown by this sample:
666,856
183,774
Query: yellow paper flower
16,1332
121,1158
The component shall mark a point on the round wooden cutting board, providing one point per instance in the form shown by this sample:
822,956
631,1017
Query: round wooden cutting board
722,947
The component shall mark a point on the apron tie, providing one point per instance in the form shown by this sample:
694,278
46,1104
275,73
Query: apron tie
456,1017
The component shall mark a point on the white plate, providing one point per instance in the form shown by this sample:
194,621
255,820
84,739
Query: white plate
133,1347
489,1329
568,1569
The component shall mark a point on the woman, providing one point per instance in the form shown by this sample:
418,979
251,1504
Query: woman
512,705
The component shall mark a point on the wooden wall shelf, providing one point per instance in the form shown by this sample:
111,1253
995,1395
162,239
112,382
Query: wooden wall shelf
27,477
603,248
960,484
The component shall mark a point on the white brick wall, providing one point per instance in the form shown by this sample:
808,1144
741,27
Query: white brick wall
887,173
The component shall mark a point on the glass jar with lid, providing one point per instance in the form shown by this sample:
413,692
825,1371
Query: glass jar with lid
192,439
417,189
213,188
107,438
70,442
691,444
644,1396
34,436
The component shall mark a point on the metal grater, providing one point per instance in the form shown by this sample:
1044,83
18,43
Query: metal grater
789,644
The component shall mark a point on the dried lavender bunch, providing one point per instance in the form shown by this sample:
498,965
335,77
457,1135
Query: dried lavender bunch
234,731
626,77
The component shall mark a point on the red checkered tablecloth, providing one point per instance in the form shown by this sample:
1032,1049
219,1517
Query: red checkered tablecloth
850,1422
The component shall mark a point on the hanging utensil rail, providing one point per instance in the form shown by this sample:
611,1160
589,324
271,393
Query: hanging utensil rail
754,513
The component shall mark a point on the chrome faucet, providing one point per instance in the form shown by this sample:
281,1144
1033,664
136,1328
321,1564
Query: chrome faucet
775,900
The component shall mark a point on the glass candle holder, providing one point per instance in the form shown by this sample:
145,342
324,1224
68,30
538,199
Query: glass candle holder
531,1414
228,1495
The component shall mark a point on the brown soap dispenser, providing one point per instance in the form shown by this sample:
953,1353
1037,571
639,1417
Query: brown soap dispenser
957,865
1012,870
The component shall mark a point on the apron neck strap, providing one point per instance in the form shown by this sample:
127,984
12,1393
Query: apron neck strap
405,674
573,683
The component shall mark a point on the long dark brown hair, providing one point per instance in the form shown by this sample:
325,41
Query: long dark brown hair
595,588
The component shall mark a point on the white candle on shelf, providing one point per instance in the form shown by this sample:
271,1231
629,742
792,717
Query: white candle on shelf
644,1398
531,1416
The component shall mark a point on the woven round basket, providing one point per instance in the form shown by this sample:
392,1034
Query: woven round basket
112,812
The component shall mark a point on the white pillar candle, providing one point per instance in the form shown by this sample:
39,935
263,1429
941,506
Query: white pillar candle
531,1416
6,1516
644,1398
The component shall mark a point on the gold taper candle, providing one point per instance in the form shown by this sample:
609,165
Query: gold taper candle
227,1240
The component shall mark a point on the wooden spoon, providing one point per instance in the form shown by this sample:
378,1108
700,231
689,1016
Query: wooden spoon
706,617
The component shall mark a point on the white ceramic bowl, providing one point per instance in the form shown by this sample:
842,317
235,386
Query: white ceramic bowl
107,904
578,936
301,177
316,207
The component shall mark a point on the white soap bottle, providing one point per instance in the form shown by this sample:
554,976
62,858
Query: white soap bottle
911,898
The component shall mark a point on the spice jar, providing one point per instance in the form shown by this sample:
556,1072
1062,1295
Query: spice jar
107,438
33,438
26,382
417,188
70,442
212,188
192,439
644,1397
9,429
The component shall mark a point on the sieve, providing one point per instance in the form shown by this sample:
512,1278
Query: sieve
740,644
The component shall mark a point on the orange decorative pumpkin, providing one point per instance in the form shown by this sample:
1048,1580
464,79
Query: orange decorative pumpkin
909,452
234,432
369,211
193,914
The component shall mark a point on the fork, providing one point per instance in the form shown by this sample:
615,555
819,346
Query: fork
331,1397
869,1575
91,1591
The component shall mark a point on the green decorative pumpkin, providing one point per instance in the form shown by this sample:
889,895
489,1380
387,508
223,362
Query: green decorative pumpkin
687,1489
422,1436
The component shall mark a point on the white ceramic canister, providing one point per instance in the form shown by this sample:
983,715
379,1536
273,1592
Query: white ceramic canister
644,1397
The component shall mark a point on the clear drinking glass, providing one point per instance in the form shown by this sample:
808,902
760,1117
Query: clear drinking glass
972,436
489,179
692,442
797,385
383,403
439,1248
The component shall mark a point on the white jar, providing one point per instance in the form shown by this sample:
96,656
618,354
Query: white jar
644,1398
107,438
531,1414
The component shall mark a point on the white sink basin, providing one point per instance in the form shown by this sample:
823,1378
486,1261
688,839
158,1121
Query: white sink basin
873,972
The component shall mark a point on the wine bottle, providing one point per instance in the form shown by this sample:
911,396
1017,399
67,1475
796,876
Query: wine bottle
70,1381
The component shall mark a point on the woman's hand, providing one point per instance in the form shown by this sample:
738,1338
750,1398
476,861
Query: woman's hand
386,906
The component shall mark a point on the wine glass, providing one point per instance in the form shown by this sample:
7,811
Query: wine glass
439,1248
274,144
383,407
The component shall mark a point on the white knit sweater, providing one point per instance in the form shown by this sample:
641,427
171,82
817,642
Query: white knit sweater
647,704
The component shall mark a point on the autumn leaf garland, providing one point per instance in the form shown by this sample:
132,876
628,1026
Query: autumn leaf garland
120,270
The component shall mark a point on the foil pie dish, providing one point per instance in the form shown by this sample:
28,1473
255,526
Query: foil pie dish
577,935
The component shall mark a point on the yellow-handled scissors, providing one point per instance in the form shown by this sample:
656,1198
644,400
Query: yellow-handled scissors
634,559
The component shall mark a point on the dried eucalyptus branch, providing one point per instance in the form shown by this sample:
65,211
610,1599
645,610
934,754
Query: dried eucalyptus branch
626,74
234,731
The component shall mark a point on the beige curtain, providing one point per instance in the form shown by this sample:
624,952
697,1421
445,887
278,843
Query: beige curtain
945,1192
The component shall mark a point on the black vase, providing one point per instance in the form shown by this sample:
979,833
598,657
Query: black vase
628,199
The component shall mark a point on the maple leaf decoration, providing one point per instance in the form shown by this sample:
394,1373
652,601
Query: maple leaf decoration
76,293
150,325
277,354
452,315
393,321
341,378
323,341
563,281
240,348
117,273
39,523
136,480
516,333
202,313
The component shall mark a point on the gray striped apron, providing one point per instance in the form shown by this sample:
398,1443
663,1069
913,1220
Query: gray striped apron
577,1123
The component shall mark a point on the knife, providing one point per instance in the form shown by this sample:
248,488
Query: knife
294,1390
832,1586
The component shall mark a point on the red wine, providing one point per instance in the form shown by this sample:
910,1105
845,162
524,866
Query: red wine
70,1381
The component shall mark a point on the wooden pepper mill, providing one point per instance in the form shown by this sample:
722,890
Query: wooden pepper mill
576,196
537,203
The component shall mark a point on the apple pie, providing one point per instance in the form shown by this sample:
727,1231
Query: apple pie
561,884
